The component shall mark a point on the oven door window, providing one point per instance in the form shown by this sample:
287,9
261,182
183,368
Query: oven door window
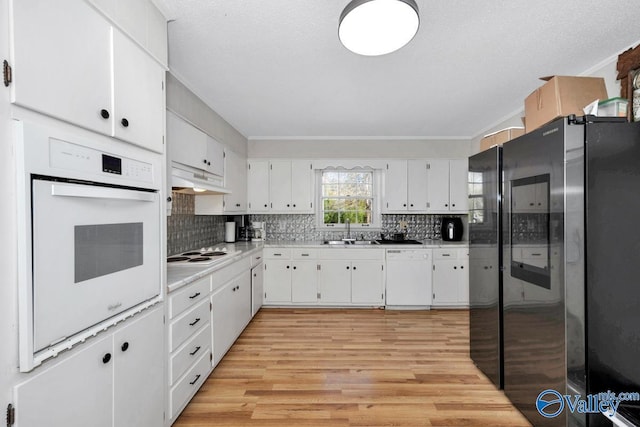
530,230
107,248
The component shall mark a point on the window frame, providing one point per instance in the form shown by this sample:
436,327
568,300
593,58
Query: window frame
376,204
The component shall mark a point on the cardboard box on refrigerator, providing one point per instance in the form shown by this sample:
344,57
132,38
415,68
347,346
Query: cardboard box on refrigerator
500,137
561,96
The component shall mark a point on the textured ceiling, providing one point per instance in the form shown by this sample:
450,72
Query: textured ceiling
275,68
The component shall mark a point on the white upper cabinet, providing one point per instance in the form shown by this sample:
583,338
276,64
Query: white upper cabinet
447,186
395,185
190,146
301,186
235,179
62,61
405,186
139,101
280,186
258,186
78,68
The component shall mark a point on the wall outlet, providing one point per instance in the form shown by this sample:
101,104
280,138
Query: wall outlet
403,225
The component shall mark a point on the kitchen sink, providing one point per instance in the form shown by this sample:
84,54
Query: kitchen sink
350,242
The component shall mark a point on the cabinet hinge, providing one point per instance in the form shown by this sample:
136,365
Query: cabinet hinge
11,413
318,295
164,319
162,139
7,73
224,154
434,296
387,166
382,267
162,84
271,167
210,306
164,415
265,295
428,165
382,296
223,203
311,166
434,267
210,357
428,204
249,166
318,267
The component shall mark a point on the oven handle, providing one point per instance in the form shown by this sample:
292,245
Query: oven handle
70,190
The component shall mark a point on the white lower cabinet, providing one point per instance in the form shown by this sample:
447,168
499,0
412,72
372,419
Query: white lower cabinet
450,277
230,314
304,281
367,282
334,284
189,347
115,381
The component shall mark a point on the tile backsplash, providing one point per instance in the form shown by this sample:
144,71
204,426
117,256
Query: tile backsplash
186,230
296,227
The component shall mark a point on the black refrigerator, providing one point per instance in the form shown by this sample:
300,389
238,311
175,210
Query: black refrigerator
485,261
571,269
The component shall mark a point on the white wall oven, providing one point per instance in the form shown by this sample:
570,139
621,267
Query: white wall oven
89,238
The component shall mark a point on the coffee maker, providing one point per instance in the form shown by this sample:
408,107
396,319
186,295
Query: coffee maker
259,234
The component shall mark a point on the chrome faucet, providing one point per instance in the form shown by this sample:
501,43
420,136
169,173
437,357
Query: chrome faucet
348,222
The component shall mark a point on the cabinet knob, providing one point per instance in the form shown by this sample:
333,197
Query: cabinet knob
354,267
104,114
446,205
124,346
169,199
347,267
455,268
106,358
462,267
453,205
265,205
411,205
404,205
294,267
205,161
287,266
288,205
294,205
124,122
237,205
486,268
208,163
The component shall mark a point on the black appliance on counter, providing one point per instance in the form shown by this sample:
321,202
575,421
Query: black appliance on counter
571,266
485,263
451,230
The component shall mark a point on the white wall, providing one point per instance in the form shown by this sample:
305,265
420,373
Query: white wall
182,101
8,261
357,148
606,70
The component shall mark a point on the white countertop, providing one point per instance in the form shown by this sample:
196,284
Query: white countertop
180,275
428,244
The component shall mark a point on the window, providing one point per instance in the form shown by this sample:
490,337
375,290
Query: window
476,198
347,195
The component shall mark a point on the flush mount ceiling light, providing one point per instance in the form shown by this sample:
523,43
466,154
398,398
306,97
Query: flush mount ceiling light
378,27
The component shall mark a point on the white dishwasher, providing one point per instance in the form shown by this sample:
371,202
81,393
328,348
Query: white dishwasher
409,277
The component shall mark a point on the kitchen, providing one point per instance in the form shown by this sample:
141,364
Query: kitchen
380,144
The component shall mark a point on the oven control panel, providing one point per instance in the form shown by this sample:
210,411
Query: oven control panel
85,160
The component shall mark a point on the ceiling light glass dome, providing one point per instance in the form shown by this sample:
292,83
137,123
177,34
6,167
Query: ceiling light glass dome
378,27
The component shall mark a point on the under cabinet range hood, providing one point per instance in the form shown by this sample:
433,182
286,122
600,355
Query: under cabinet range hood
185,179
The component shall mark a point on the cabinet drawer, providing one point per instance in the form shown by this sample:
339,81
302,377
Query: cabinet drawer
256,259
535,253
189,296
439,254
298,253
183,327
187,355
277,253
185,389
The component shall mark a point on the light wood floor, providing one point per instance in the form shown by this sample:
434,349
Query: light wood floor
367,367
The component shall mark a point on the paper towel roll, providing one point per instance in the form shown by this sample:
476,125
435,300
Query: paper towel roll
230,232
